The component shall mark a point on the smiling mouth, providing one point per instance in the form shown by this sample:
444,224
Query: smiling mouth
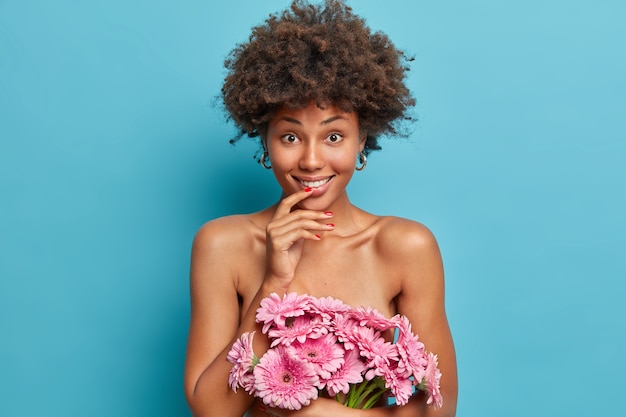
314,184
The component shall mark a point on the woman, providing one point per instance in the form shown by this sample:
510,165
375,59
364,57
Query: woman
317,88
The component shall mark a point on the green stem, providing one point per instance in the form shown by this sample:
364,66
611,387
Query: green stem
373,400
350,397
353,394
365,394
360,388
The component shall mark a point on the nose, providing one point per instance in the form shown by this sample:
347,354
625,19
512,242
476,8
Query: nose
312,157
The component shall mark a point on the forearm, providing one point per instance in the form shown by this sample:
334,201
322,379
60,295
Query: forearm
325,407
213,397
416,407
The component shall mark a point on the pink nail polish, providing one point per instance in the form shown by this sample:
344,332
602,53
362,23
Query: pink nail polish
330,225
318,236
328,213
307,189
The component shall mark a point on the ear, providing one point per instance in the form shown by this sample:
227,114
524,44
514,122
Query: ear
362,141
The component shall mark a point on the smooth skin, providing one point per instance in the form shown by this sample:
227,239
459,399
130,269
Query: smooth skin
313,241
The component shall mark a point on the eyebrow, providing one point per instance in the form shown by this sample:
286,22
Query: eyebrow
323,123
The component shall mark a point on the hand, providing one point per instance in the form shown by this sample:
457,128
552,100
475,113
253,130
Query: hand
322,407
285,235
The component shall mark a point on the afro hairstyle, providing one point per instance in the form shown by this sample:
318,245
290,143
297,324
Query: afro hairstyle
319,53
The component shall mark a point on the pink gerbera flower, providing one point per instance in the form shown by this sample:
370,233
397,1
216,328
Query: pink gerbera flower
374,347
247,383
324,353
401,387
298,329
328,306
275,309
345,327
351,372
243,359
368,316
283,381
411,352
432,380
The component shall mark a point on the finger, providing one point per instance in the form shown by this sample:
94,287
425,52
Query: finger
297,216
286,240
276,230
287,203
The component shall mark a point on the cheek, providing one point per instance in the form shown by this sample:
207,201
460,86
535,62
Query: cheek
280,159
345,162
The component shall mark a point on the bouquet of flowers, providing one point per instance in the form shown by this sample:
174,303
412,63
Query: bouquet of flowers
322,346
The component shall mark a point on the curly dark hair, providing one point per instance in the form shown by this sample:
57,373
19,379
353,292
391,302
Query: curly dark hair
318,53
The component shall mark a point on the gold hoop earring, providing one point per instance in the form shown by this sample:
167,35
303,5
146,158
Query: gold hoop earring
263,160
362,161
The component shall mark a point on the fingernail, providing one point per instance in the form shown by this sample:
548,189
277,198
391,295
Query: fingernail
307,189
318,236
330,225
261,408
328,213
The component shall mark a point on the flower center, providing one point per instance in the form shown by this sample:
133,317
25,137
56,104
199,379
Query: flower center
286,378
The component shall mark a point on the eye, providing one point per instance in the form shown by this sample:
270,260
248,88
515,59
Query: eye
290,138
334,138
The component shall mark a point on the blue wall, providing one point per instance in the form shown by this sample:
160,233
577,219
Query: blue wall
111,157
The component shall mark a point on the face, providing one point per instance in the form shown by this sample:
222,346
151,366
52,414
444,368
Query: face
317,148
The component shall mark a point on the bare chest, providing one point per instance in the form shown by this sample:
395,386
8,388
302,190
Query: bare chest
350,271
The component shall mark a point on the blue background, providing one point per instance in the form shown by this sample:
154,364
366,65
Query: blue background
112,155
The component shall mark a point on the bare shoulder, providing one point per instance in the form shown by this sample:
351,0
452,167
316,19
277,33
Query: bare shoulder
227,232
398,236
223,251
225,247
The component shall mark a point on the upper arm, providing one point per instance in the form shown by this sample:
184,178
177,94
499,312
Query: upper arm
214,301
422,300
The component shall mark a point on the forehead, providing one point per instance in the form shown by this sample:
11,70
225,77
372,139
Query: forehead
312,114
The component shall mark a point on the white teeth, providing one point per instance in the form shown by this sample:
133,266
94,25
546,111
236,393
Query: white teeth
315,184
